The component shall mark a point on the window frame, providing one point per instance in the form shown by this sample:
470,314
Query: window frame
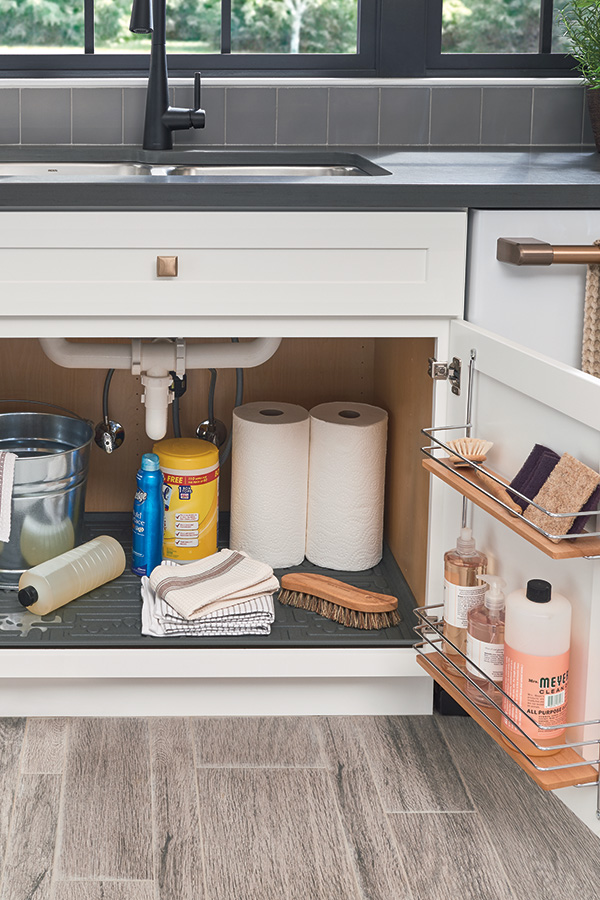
396,39
544,63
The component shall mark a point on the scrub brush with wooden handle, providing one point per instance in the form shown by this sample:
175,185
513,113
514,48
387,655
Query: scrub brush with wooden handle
341,602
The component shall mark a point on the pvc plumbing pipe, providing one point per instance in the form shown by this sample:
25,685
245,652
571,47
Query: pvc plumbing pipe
154,361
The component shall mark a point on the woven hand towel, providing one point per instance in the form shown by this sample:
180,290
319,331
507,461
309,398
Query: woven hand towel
213,583
590,348
569,486
249,617
7,477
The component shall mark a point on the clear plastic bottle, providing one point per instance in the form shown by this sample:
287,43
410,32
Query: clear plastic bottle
485,643
536,664
462,591
60,580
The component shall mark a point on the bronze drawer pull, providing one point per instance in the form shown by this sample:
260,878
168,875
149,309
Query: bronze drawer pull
167,266
531,252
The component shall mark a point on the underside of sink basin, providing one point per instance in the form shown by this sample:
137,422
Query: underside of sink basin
236,164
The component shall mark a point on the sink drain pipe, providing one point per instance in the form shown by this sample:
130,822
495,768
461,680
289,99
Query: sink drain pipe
154,361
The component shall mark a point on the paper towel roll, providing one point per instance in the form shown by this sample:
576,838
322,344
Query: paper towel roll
346,483
269,482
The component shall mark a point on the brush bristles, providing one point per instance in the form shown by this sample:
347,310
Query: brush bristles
351,618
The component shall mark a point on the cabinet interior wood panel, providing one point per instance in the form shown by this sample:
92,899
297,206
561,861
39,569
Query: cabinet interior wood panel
401,388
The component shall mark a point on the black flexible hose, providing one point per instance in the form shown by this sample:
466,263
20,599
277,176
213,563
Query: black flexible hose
105,391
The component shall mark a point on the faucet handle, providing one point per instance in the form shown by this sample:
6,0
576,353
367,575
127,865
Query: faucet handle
197,89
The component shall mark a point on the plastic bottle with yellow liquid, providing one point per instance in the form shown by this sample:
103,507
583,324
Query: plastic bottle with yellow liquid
190,470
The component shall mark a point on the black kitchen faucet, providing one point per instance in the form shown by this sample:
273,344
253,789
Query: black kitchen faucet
161,120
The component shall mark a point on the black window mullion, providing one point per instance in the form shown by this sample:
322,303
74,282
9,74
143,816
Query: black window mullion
225,26
546,14
88,26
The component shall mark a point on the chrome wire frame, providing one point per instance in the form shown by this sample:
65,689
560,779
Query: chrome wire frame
438,444
427,623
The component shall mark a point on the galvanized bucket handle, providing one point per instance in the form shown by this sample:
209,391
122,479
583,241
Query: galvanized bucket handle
45,403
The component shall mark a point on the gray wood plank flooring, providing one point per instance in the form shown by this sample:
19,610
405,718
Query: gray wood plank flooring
44,746
388,808
30,849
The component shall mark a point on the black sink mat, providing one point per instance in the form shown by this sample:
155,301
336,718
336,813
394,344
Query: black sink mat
110,615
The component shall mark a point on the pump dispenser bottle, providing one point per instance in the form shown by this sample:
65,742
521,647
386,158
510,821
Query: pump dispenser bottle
60,580
462,591
485,643
536,664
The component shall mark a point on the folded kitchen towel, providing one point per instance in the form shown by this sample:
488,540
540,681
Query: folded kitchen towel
247,617
533,473
7,477
590,348
570,485
214,583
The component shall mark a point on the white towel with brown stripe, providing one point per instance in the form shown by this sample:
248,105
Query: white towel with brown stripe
7,477
215,583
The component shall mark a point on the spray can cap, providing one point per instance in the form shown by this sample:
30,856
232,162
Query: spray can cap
494,596
150,462
465,545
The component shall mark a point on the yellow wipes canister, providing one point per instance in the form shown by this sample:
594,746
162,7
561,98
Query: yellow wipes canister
190,470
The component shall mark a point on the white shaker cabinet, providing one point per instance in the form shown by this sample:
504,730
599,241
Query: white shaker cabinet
386,276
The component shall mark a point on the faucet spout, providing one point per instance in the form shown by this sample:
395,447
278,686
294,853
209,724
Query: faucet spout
161,119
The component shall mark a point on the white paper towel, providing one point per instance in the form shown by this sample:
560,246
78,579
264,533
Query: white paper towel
346,484
269,482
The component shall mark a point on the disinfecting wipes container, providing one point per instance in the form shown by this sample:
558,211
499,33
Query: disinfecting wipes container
190,470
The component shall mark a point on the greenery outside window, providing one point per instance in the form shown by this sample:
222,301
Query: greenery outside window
368,38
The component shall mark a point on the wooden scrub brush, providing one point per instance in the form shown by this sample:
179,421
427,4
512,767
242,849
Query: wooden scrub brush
473,449
350,606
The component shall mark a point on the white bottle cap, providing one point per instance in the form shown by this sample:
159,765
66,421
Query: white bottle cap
465,545
494,598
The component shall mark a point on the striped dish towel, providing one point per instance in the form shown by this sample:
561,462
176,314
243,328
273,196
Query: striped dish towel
7,477
247,617
214,583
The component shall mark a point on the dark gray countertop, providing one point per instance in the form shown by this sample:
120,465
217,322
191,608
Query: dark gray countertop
494,178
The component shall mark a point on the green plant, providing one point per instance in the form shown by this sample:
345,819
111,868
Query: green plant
581,19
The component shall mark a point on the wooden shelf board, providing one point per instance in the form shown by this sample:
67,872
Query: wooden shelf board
567,549
547,780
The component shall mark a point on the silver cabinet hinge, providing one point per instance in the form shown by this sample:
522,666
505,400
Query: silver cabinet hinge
444,371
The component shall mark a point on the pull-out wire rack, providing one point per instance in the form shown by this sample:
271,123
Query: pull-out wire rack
559,765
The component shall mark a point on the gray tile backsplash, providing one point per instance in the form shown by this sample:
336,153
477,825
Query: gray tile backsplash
302,115
353,115
389,114
251,115
456,116
46,116
10,125
97,116
506,115
404,116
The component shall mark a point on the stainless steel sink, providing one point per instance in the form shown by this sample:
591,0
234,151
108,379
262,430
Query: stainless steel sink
233,165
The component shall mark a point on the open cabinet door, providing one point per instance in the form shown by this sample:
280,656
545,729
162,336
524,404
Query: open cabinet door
521,398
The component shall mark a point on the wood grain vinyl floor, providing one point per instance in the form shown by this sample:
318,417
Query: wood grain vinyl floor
386,808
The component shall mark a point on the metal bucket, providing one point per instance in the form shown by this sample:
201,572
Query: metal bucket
49,488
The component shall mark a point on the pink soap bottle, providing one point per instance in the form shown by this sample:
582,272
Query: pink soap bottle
485,644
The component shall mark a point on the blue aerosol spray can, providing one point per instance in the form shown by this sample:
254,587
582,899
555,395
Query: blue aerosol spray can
148,512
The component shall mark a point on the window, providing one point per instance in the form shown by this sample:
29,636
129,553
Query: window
524,36
402,38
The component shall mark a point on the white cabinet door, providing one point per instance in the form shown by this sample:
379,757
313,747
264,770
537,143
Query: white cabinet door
521,398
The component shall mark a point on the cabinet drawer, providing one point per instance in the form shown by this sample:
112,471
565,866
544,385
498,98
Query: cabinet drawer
237,264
